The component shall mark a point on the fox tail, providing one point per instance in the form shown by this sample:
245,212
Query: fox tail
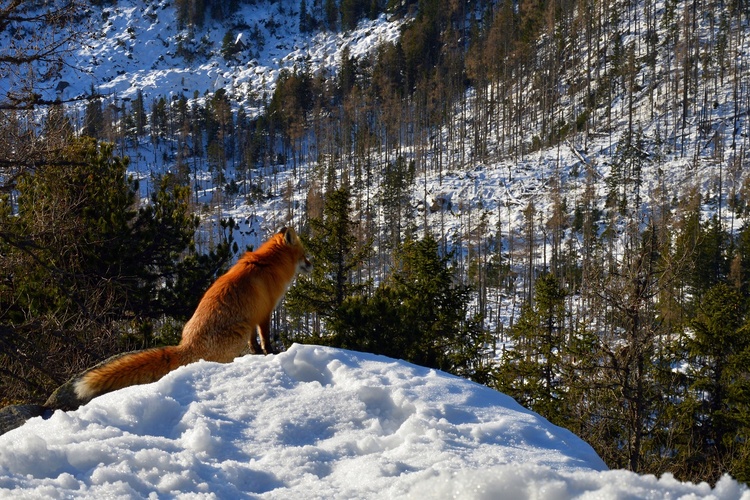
140,367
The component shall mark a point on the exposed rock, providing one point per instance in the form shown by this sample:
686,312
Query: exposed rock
64,397
441,202
16,415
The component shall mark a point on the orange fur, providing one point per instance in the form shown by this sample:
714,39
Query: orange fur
230,316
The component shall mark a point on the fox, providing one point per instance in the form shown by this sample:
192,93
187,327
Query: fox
232,314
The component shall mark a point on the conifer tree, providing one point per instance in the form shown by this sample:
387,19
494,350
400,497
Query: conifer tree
337,254
93,120
531,369
304,18
713,413
89,272
418,314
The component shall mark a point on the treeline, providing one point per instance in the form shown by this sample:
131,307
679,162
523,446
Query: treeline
644,352
638,341
313,15
633,326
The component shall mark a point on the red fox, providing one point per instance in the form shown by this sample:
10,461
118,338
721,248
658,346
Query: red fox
228,319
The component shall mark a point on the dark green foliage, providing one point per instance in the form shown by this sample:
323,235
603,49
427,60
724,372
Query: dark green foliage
531,370
740,272
352,11
389,73
711,256
337,254
331,14
291,101
159,119
76,215
191,12
229,49
347,73
306,21
93,120
398,179
421,46
418,314
713,412
87,269
139,114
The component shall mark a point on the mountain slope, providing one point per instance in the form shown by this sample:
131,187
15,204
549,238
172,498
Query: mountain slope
139,45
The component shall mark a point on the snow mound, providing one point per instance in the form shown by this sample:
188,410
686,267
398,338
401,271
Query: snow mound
313,422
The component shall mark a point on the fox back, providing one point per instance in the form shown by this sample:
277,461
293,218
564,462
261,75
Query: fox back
241,301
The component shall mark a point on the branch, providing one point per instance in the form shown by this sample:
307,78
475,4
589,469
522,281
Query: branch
27,105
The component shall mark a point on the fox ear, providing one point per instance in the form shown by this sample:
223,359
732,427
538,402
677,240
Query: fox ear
289,235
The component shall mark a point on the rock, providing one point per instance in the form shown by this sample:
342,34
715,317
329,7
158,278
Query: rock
16,415
64,397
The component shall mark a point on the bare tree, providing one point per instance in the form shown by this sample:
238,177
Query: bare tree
36,39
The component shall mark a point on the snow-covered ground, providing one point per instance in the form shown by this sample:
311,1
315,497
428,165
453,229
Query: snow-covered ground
138,45
315,422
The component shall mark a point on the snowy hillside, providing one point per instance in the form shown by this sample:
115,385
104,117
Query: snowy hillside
138,45
314,422
561,159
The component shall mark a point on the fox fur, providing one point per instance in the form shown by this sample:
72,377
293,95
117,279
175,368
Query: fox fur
234,311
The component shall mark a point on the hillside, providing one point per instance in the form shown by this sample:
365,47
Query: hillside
579,165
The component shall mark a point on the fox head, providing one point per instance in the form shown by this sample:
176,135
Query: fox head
304,266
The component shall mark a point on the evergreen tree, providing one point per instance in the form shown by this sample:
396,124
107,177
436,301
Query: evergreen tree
398,178
229,49
331,14
351,12
711,257
304,18
347,73
531,369
89,273
713,414
418,314
333,242
93,119
139,114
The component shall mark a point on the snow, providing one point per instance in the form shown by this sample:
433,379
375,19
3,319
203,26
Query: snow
135,47
315,422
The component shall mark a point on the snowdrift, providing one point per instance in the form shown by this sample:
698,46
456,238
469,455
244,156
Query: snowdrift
314,422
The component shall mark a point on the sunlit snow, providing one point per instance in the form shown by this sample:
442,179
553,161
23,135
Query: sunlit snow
314,422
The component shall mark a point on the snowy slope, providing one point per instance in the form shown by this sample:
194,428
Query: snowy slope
314,422
138,45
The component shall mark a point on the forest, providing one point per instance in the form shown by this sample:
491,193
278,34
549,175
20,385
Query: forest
613,297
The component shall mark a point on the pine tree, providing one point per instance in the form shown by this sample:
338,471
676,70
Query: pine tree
418,314
713,414
93,120
531,370
332,240
89,272
304,24
331,13
139,114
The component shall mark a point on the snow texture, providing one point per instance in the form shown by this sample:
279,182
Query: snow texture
314,422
